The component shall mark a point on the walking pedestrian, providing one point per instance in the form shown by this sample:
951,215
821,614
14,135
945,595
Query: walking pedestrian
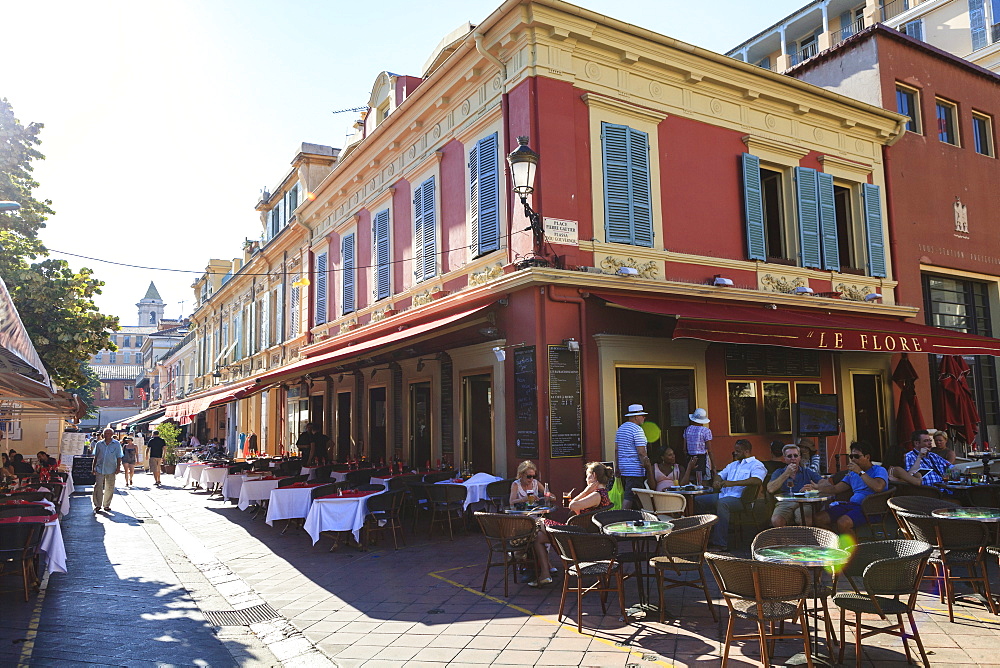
129,458
630,447
154,450
696,438
107,464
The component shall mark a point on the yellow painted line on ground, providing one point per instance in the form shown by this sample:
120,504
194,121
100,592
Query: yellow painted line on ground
28,646
609,643
957,614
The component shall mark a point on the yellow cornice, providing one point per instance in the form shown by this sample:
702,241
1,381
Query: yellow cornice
641,113
846,169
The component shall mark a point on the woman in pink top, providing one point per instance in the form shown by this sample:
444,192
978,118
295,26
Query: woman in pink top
666,473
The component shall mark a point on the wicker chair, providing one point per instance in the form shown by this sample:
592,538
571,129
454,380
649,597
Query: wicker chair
401,483
24,511
890,569
683,551
584,521
918,505
383,515
499,494
606,517
290,467
261,465
18,546
417,499
360,477
447,503
322,473
906,489
957,543
292,480
369,487
586,555
326,490
746,516
877,506
439,476
985,496
511,537
764,593
665,505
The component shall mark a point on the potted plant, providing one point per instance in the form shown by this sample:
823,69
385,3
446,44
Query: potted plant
169,432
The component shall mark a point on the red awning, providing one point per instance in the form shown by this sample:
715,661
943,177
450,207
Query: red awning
814,329
354,349
202,402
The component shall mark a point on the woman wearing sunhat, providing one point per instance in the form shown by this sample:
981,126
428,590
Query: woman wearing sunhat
630,448
696,438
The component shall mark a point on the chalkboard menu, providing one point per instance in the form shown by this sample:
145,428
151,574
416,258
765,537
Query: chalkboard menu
744,360
526,403
83,470
565,412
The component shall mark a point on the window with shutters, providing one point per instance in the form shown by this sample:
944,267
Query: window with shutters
381,266
424,232
347,254
847,241
484,195
908,104
322,278
294,309
628,208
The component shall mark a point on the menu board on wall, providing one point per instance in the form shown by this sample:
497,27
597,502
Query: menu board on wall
525,403
771,361
565,411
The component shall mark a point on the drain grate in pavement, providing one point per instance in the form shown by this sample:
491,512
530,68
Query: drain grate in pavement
244,617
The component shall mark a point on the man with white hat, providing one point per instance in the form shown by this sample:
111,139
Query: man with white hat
630,447
696,438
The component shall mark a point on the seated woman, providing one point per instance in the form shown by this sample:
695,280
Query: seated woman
666,473
941,447
810,457
594,497
526,484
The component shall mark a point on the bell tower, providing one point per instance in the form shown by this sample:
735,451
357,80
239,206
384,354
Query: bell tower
151,307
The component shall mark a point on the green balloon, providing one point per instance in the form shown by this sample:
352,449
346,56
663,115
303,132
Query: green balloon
652,431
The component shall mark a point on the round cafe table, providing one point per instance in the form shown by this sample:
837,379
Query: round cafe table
531,511
806,500
977,514
689,492
636,532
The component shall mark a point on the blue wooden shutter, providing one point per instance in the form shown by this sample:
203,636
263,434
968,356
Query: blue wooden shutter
628,209
489,194
846,25
753,209
321,283
474,200
380,233
347,253
642,202
828,222
872,200
808,210
418,234
429,240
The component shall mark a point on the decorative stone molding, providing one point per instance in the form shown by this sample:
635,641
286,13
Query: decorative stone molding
486,275
381,314
853,293
422,298
275,359
649,269
349,325
778,283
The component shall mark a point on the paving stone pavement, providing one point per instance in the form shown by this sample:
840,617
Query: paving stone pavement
141,578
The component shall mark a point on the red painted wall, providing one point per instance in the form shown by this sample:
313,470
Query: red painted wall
454,228
363,259
401,237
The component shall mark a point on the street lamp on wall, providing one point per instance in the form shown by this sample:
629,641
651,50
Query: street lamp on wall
523,164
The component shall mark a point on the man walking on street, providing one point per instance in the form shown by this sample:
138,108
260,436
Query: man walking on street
107,463
155,456
630,446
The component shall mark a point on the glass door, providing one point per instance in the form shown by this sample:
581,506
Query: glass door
420,425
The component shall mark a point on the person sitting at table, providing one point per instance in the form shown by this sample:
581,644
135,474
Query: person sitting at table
941,448
796,474
19,466
728,484
45,462
777,460
526,483
809,458
594,497
863,478
666,473
920,458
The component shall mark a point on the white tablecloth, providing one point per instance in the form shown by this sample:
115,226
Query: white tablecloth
232,485
193,474
288,503
53,547
214,475
347,514
477,487
309,471
63,502
338,476
70,488
255,490
181,469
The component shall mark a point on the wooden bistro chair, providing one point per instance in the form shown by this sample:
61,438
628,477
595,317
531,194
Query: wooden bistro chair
447,503
875,508
587,555
383,515
665,505
763,593
891,571
18,546
683,551
511,538
584,521
917,505
498,494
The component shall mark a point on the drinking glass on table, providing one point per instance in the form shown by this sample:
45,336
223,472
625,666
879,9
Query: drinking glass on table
567,497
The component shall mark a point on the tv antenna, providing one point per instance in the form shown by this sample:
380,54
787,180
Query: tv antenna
344,111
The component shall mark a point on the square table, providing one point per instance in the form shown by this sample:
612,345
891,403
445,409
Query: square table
338,513
254,491
181,469
289,503
476,486
193,475
215,475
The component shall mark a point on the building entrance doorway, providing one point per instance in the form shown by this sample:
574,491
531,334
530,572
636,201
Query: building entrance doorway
477,422
869,411
420,425
343,426
668,396
377,424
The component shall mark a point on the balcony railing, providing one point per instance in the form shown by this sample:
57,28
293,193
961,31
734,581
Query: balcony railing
848,31
805,53
896,7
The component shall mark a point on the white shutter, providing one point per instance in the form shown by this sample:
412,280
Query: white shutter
294,308
321,283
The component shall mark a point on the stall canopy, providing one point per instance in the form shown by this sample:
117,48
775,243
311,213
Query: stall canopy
816,329
183,410
142,418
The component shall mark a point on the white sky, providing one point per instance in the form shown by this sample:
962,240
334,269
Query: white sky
165,118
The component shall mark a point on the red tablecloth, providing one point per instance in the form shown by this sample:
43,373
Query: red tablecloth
347,495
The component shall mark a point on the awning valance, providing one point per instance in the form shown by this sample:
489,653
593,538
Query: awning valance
204,401
142,418
813,329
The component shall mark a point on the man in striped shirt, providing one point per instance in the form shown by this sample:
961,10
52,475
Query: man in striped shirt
630,448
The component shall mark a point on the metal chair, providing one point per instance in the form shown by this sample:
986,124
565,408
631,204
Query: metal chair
439,476
383,515
918,505
18,546
890,569
511,537
447,502
683,551
498,494
956,543
665,505
764,593
586,555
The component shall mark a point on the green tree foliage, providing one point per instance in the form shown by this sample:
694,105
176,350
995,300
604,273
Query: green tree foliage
170,433
55,303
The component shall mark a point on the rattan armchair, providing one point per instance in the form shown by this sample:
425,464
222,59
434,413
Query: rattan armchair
511,537
984,496
747,514
587,555
683,551
957,544
877,506
763,593
891,570
584,521
917,505
498,494
447,503
665,505
18,546
383,515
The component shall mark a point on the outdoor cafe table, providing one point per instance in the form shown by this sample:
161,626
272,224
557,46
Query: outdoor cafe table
193,474
384,480
977,514
806,499
233,483
289,503
639,532
476,486
253,491
338,513
181,469
817,559
689,492
52,541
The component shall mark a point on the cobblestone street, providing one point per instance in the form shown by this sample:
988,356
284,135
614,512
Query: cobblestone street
142,578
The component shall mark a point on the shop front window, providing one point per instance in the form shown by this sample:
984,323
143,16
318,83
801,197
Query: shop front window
667,395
